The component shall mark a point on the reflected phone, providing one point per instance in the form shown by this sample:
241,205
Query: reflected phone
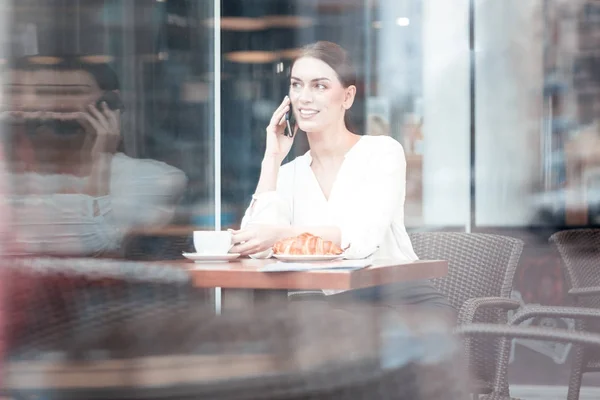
112,100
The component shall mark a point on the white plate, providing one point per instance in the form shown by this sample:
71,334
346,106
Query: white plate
199,258
299,258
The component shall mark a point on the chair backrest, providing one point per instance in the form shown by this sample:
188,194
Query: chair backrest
480,265
580,252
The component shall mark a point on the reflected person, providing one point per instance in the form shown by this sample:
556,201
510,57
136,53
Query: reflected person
74,193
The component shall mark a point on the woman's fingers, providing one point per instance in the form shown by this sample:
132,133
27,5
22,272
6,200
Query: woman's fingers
281,121
242,236
249,247
279,117
99,117
110,115
95,124
285,103
280,112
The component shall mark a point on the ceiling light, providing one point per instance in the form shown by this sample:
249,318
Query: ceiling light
45,60
97,59
288,21
251,57
239,24
402,21
290,54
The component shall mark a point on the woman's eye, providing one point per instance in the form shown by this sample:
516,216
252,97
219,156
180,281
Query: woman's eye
295,85
321,86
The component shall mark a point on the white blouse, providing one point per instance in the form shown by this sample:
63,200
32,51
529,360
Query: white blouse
366,201
50,217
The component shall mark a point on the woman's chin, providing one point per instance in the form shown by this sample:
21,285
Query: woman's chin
309,126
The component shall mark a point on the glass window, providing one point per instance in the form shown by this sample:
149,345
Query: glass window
140,162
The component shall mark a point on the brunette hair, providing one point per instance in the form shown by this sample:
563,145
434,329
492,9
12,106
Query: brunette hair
103,74
337,58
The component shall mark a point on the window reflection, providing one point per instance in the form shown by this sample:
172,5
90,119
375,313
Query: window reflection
108,123
75,191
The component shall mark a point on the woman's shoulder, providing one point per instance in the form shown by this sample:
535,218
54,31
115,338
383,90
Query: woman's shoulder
122,163
291,166
381,146
381,142
130,171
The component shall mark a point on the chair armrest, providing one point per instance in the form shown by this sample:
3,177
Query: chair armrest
585,291
531,311
536,333
471,307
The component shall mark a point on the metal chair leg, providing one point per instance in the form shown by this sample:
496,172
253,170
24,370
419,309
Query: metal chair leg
576,373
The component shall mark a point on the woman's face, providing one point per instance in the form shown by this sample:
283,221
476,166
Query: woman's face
319,99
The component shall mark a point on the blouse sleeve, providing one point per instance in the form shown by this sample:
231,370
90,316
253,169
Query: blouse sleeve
144,193
377,201
272,207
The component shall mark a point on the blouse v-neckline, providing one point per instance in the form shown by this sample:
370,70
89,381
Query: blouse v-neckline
309,160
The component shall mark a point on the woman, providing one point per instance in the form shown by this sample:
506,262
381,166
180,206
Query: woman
348,189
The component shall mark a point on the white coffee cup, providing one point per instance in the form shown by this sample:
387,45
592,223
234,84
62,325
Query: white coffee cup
212,242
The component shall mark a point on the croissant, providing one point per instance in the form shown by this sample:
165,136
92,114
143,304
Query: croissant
306,244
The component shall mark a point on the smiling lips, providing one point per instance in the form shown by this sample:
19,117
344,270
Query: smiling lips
307,113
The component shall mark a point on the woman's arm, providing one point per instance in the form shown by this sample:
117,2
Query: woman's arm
144,193
268,175
269,216
269,204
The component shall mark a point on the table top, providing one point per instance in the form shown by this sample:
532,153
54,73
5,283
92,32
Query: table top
246,274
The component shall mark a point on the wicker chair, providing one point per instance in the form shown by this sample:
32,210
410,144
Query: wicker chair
478,284
580,252
578,339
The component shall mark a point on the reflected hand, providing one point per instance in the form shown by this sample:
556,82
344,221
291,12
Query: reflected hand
257,238
279,145
106,124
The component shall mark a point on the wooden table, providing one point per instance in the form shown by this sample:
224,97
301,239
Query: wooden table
245,274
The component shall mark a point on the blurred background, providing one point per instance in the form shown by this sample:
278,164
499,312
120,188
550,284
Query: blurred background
496,102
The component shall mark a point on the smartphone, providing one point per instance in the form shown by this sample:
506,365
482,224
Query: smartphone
290,124
112,100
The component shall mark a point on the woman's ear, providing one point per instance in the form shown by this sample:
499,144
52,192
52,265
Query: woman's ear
349,96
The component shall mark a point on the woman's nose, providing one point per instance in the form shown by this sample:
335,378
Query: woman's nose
305,96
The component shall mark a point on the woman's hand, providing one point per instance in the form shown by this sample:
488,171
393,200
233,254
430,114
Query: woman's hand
257,238
106,125
279,145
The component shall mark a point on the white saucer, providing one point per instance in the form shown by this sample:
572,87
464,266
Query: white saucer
300,258
199,258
